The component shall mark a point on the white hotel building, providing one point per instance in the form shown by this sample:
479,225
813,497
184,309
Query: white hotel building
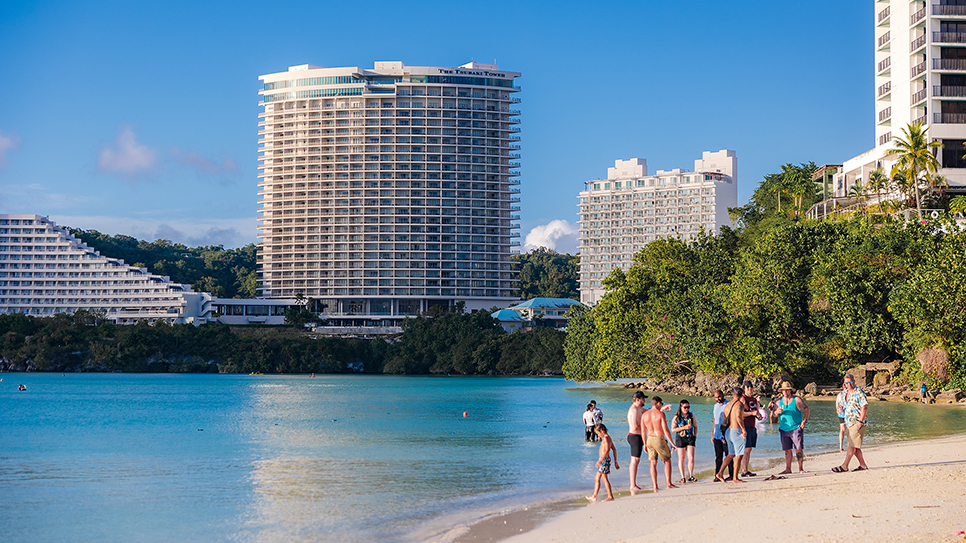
920,75
45,270
630,208
386,191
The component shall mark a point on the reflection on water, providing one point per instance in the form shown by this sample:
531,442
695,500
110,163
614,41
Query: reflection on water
348,458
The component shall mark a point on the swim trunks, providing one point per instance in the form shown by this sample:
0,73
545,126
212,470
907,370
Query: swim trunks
792,439
736,441
657,448
637,444
752,440
605,467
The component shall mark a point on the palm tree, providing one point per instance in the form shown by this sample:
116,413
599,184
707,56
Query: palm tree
957,206
878,181
914,157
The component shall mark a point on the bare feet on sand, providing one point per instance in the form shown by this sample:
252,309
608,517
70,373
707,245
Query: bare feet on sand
786,472
671,486
608,499
635,490
737,481
590,498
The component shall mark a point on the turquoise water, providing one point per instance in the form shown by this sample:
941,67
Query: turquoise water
124,457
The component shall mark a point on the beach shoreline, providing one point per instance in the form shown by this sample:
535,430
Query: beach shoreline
912,492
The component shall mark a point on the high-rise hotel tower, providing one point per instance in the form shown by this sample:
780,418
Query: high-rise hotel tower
920,76
384,192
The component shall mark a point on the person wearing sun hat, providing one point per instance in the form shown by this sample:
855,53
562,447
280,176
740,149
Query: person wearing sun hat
792,413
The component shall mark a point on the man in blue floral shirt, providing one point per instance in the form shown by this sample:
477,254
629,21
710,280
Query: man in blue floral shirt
856,419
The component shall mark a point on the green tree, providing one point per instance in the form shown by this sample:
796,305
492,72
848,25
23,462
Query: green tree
914,158
545,273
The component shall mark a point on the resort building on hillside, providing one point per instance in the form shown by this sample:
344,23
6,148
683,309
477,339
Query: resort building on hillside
630,208
547,312
386,191
45,270
920,76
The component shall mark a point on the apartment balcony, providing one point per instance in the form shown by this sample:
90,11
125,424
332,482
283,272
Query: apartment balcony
919,97
949,118
885,138
918,17
920,120
885,89
883,66
919,69
949,11
949,64
883,15
949,91
920,42
949,37
885,39
885,114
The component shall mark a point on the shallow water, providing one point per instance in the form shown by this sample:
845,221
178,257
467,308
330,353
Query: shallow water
123,457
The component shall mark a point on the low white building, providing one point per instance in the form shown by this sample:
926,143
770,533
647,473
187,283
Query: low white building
45,270
630,208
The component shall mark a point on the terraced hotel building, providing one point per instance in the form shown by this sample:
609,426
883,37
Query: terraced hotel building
386,191
630,209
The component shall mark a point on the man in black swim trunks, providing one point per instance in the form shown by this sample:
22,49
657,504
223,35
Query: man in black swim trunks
634,436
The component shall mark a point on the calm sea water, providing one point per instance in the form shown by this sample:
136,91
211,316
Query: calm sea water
121,457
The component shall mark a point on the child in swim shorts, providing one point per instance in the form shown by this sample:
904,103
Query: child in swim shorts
603,464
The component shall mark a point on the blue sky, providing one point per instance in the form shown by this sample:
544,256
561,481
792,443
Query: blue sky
140,117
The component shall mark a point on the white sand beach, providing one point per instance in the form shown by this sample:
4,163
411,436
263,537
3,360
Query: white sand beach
913,491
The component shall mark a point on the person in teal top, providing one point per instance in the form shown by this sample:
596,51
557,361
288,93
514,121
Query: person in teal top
792,413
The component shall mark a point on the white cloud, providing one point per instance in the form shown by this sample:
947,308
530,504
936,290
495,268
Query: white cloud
7,143
558,234
191,232
127,157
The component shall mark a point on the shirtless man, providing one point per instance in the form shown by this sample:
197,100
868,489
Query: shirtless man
634,438
735,435
657,437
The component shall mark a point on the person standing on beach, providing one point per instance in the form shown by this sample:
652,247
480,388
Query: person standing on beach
751,431
685,429
717,435
856,420
603,464
792,413
735,435
924,392
840,410
656,435
589,434
634,438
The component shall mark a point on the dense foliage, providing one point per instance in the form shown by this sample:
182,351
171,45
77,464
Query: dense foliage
810,298
449,343
545,273
225,273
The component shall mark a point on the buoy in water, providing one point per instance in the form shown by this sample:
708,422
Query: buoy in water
466,413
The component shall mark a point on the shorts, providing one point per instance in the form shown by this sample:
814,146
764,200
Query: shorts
589,434
792,439
841,420
736,441
856,432
752,440
685,441
637,444
605,466
657,448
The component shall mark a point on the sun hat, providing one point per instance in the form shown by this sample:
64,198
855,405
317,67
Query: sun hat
786,386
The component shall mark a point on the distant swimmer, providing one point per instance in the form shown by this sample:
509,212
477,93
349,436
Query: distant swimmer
22,387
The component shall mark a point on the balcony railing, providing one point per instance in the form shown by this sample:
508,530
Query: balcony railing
884,39
949,63
885,114
949,37
919,97
884,14
885,88
921,41
949,10
884,64
917,16
949,90
920,120
918,69
949,118
885,138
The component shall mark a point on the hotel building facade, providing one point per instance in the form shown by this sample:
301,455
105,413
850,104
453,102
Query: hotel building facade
630,208
384,192
920,76
45,270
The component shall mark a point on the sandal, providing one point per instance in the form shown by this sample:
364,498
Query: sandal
860,468
692,479
684,481
839,469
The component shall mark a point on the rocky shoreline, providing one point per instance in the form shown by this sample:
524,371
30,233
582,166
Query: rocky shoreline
878,380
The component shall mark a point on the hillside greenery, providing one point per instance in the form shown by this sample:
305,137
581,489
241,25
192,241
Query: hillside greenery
545,273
